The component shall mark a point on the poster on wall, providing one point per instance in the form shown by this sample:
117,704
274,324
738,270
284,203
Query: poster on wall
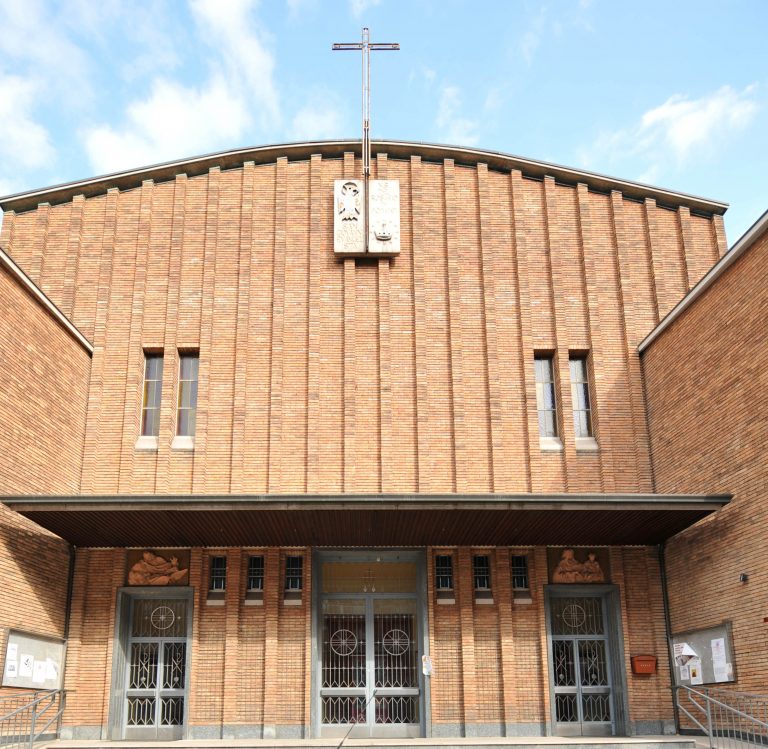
33,661
704,656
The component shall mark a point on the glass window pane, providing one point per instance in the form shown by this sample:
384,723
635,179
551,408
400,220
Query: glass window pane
549,397
183,426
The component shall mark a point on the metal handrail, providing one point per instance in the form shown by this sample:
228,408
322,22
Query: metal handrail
27,723
730,719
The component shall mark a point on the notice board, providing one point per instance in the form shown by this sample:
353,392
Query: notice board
33,661
704,656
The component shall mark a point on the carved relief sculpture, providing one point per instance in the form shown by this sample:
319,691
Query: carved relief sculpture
571,570
348,218
153,569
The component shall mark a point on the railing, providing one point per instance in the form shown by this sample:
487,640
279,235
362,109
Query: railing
29,717
730,720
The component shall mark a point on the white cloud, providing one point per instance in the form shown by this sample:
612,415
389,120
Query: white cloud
23,141
230,30
317,121
454,128
676,129
358,7
174,121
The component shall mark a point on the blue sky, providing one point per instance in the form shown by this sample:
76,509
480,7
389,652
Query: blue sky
670,93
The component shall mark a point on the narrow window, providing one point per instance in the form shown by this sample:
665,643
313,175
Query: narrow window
294,567
256,573
444,572
545,396
582,412
481,567
188,369
218,574
153,385
520,572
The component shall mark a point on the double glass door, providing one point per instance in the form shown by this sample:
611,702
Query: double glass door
369,675
580,666
156,669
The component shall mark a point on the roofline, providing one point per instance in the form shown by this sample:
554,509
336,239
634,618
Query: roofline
378,501
25,281
336,148
742,245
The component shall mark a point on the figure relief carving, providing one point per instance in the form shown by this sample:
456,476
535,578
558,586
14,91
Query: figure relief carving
152,569
571,570
349,202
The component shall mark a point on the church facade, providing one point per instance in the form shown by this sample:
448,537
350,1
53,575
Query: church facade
265,490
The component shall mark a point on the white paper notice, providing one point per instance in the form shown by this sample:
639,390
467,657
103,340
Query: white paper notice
697,677
25,667
685,673
38,672
719,660
11,661
13,651
51,670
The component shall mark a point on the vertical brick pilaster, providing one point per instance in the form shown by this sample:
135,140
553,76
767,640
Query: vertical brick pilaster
117,580
631,338
272,593
74,248
559,333
350,380
37,264
687,249
170,344
315,295
601,387
500,427
466,593
387,467
199,471
75,639
455,343
134,364
418,282
503,594
525,371
196,574
233,662
274,445
6,231
720,241
236,483
95,391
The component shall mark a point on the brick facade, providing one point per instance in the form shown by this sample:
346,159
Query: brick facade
320,376
706,385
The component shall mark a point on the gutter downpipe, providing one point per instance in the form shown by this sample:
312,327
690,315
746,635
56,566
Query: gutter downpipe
668,628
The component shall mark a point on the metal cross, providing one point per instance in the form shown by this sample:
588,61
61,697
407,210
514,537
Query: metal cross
366,46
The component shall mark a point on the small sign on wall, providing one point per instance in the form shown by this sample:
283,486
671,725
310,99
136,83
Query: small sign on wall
704,656
33,661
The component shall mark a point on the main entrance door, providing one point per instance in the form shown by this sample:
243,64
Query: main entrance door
156,668
368,637
582,672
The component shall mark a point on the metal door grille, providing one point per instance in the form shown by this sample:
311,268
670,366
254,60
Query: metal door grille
581,678
156,668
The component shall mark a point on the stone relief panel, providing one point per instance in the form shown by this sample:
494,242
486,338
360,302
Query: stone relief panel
161,567
578,565
348,217
384,225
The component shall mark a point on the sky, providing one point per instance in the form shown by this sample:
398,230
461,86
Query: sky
673,94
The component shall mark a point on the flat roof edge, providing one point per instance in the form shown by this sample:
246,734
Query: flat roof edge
747,239
197,165
41,298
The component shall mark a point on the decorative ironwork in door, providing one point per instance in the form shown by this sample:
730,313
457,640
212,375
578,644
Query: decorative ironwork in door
156,657
581,670
369,656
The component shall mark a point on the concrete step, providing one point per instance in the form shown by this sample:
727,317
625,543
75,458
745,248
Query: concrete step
544,742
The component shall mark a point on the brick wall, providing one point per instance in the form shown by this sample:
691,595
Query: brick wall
706,389
396,376
43,395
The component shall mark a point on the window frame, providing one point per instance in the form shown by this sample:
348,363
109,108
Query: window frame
186,439
151,355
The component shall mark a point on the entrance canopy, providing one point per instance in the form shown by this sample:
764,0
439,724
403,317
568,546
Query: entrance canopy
368,520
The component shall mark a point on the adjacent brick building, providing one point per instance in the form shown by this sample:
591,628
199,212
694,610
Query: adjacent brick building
301,474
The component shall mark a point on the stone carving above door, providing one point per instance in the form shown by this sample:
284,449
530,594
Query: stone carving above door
578,566
153,569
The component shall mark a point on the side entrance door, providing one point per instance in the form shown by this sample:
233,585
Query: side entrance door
585,681
155,667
